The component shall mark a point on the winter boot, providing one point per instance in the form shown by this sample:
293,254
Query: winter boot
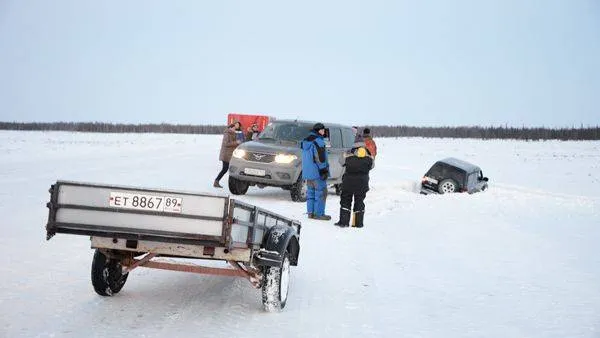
344,218
217,185
357,220
322,217
311,215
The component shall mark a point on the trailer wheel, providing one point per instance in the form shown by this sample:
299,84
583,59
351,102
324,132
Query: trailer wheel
275,285
107,276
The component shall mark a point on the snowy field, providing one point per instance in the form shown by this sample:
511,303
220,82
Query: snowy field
518,260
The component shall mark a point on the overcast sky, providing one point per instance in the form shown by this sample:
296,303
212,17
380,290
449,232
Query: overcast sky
420,63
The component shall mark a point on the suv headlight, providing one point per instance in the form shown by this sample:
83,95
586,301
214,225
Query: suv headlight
285,158
239,153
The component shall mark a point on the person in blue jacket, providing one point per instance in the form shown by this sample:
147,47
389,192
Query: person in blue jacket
315,170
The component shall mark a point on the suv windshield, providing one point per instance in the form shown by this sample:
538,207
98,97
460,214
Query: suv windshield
285,132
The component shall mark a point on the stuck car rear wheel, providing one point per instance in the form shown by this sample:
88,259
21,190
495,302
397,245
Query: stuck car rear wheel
276,281
447,186
107,275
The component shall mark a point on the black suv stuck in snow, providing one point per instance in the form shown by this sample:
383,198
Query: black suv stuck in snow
453,175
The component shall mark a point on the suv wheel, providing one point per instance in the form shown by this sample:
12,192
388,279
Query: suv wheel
447,186
237,187
298,190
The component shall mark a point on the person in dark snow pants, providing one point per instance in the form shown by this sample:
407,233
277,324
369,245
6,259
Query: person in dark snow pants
228,145
355,184
315,170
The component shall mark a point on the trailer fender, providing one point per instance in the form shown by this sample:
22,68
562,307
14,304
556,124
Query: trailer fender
276,241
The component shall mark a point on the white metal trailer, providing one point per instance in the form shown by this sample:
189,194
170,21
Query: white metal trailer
134,227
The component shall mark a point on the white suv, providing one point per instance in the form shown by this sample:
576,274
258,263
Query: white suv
274,159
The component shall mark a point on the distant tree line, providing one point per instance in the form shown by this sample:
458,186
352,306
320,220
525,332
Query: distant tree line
524,133
101,127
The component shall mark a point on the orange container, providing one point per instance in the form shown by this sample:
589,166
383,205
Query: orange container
247,120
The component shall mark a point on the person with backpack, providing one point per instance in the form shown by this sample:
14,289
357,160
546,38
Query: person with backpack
355,184
315,170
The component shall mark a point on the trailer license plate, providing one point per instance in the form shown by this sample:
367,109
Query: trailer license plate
254,172
145,202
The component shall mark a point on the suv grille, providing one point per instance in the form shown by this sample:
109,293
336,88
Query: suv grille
259,157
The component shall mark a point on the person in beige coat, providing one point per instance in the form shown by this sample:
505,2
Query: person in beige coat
228,145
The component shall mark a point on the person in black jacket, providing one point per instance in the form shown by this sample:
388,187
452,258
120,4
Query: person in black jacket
355,184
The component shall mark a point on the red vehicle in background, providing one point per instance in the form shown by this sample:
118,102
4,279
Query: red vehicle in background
246,120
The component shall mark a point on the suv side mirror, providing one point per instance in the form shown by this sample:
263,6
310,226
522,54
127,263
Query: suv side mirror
485,179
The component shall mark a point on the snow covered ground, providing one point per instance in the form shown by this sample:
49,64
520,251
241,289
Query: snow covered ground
519,260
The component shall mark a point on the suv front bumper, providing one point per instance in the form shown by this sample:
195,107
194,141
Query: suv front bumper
276,174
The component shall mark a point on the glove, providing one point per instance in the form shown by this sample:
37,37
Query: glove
323,173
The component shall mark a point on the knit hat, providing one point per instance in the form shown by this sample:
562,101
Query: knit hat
318,126
366,131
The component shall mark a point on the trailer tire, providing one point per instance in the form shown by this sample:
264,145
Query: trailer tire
237,187
107,277
276,281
